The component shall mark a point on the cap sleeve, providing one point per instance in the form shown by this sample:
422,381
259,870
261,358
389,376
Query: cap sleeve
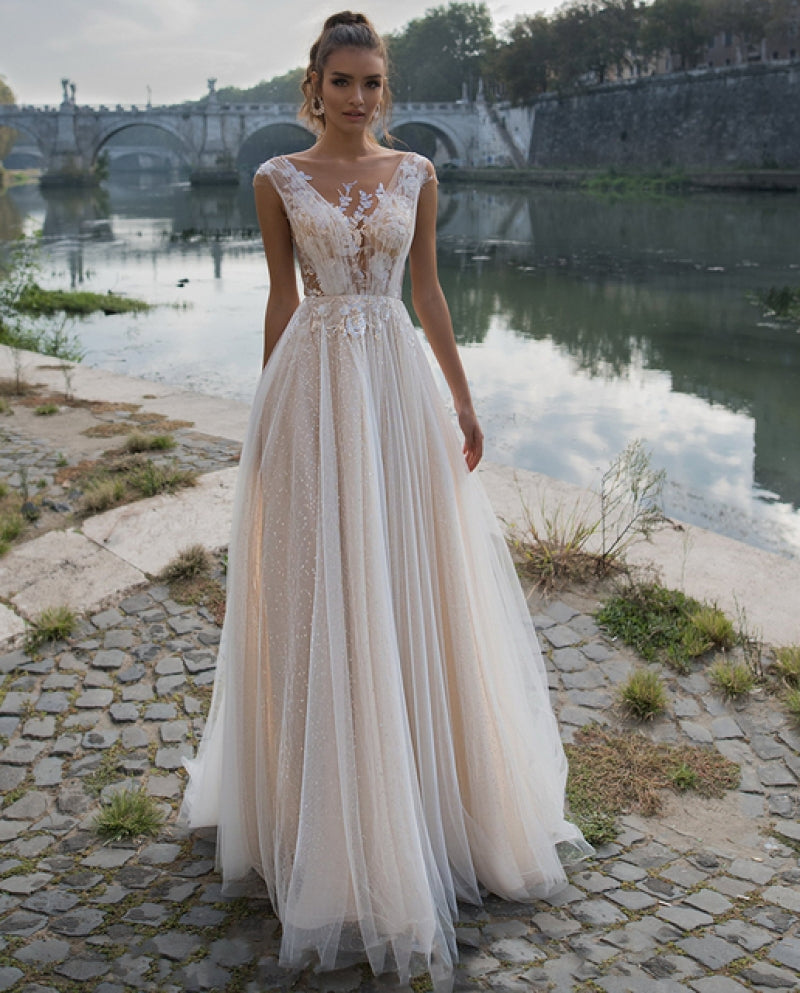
264,173
427,172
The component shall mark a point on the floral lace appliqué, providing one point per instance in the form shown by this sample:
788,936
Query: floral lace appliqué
365,201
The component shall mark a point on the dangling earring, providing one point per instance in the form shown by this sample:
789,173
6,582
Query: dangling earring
317,106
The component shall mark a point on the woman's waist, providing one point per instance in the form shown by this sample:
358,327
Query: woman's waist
352,313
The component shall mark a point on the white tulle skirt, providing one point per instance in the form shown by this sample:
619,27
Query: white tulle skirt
380,742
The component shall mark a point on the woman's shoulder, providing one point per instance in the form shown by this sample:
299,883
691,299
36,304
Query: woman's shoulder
418,165
267,169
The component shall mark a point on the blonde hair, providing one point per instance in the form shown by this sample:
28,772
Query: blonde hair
342,30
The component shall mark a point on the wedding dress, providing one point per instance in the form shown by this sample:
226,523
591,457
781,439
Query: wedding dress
380,742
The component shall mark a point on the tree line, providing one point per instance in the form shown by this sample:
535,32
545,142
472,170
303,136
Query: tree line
444,54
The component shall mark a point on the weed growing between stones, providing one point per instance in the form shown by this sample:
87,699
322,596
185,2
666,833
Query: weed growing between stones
715,626
612,772
12,523
129,814
643,694
189,563
107,772
138,441
792,701
123,479
787,665
52,624
190,580
684,777
732,679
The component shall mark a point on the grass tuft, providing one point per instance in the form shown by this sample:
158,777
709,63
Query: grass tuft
46,409
123,479
787,664
684,777
792,701
52,624
130,814
151,479
712,623
138,441
731,679
102,494
12,524
643,694
188,564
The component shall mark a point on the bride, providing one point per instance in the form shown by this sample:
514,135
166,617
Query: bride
380,743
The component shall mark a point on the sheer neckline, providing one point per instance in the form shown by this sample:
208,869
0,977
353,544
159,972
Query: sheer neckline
358,215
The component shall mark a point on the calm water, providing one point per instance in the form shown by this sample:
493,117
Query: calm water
583,324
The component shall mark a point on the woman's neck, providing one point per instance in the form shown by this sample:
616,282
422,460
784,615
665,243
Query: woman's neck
344,147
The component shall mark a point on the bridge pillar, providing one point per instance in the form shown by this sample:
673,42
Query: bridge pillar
66,164
216,164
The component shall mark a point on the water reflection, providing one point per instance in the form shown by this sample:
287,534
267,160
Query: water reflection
584,324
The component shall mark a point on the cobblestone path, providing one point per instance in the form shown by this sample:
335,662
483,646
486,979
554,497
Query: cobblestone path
122,700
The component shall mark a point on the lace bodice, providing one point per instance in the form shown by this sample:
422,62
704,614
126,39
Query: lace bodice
358,246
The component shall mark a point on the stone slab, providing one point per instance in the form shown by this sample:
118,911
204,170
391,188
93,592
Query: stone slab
11,624
201,514
63,568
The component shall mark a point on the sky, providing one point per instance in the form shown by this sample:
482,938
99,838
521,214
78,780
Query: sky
114,49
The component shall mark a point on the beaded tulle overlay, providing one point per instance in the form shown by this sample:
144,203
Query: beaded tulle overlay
380,742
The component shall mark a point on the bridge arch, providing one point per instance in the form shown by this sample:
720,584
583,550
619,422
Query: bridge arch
282,137
102,137
431,137
20,124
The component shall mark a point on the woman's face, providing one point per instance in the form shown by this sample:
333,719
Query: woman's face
352,87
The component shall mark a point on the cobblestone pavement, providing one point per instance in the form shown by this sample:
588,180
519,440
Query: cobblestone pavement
123,700
30,466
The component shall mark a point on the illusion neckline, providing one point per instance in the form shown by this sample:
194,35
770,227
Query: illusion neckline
380,191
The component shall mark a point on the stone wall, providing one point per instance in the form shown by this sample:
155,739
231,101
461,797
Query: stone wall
739,117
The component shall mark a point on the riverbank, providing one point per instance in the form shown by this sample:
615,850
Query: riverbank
744,180
708,566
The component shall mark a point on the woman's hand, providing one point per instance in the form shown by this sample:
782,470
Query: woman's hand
473,437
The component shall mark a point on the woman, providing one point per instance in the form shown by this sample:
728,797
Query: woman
380,742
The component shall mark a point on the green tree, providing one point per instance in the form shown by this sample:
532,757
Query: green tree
676,26
435,55
523,65
278,89
7,135
745,19
592,37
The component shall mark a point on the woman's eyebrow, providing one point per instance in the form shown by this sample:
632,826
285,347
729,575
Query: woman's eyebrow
346,75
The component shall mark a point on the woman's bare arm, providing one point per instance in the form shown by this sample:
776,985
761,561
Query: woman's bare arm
276,235
432,310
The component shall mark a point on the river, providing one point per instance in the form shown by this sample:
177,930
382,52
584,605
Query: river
584,323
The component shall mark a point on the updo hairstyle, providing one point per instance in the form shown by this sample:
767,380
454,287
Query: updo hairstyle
342,30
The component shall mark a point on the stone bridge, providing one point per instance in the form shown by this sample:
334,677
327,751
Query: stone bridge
211,136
